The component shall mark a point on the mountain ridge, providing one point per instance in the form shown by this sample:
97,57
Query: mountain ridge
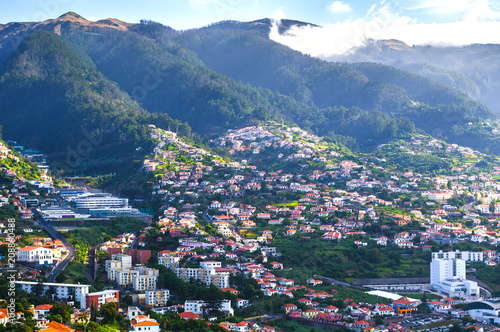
219,77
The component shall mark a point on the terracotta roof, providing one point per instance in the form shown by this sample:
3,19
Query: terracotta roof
57,327
43,307
144,323
3,313
189,315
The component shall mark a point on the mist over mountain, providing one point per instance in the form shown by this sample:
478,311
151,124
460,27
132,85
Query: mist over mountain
473,70
61,78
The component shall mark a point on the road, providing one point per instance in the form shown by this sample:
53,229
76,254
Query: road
338,282
56,235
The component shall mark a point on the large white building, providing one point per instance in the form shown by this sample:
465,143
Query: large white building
144,282
125,260
197,307
74,292
157,297
448,277
99,201
487,311
468,256
140,278
39,255
58,213
207,276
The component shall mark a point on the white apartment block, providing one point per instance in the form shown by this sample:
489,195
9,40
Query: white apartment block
207,276
125,260
210,264
170,262
74,292
157,297
142,283
112,264
140,278
39,255
196,306
468,256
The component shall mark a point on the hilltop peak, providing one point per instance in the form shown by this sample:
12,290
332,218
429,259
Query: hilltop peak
71,16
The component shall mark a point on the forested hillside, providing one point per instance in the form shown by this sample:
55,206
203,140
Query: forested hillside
85,91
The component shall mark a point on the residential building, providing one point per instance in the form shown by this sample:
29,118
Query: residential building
157,297
95,300
143,323
75,292
38,255
207,276
198,306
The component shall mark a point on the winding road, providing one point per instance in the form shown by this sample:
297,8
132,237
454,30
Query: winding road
57,236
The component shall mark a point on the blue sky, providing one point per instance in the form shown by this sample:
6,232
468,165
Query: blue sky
343,25
184,14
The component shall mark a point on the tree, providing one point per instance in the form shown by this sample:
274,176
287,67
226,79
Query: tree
456,328
467,320
38,289
108,310
213,301
379,320
56,318
62,310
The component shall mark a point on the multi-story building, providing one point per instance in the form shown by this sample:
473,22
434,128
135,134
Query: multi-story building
170,262
71,292
207,276
95,300
39,255
448,276
99,201
140,278
197,307
157,297
468,256
112,264
125,260
210,264
144,282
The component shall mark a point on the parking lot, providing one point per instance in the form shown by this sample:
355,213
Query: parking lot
429,323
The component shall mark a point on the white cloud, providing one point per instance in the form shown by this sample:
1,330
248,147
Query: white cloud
468,9
477,26
338,7
93,19
278,15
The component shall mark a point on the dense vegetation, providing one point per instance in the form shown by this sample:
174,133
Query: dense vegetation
71,97
53,99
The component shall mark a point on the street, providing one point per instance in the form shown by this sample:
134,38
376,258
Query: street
57,236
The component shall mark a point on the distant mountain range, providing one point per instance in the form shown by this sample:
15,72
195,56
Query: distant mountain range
473,70
85,91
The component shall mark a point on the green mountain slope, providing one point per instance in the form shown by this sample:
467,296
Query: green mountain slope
55,90
54,101
244,52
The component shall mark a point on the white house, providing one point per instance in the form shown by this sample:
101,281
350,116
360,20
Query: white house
143,323
197,306
39,255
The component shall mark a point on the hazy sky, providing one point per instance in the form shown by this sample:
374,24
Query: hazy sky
344,23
